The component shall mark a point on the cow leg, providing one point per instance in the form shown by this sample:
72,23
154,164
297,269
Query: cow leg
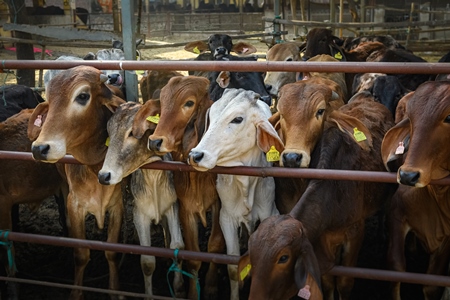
176,242
216,244
190,230
114,227
8,289
398,229
230,232
328,286
349,258
438,265
148,262
77,230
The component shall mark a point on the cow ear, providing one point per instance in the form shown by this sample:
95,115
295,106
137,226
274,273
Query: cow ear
392,152
197,47
268,137
275,120
244,269
243,48
113,103
223,79
141,123
307,271
353,127
36,121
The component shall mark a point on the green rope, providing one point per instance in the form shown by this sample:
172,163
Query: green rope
174,268
8,244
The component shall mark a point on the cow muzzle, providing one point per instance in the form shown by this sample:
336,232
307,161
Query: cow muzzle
40,152
291,159
155,145
410,178
104,178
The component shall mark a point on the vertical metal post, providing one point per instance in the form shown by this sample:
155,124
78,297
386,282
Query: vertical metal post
129,47
276,34
332,14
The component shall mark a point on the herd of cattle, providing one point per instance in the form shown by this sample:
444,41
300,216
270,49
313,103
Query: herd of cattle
298,229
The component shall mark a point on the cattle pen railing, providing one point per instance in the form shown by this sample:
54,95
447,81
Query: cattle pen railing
395,68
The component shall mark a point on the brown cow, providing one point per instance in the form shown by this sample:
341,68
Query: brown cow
22,181
154,81
289,51
330,214
416,206
289,190
184,102
337,77
155,200
74,120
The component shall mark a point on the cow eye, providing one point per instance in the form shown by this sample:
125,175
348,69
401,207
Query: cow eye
189,103
320,112
447,119
239,75
283,259
237,120
82,98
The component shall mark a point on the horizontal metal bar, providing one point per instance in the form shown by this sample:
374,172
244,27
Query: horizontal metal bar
84,288
260,66
372,176
372,274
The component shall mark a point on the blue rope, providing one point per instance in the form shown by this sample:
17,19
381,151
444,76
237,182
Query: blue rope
8,244
174,268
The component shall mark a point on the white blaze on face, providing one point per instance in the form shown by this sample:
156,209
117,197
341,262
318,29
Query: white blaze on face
232,129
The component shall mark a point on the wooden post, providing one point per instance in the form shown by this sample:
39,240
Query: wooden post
341,16
409,26
116,15
332,14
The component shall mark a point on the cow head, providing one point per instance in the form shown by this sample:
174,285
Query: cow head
220,45
184,102
322,41
251,81
303,108
74,118
115,77
238,132
280,260
428,127
128,131
287,52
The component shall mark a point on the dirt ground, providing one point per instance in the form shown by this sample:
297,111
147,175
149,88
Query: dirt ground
55,264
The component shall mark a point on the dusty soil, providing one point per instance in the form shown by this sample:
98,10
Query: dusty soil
55,264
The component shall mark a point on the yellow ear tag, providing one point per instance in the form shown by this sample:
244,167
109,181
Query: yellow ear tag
196,51
245,271
107,142
359,135
338,56
153,119
273,154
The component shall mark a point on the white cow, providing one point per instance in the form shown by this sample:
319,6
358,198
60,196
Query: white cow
238,135
154,194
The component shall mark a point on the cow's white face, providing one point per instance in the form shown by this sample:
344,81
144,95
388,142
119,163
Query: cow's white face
231,137
116,77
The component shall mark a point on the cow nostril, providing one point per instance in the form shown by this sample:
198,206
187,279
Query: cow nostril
154,145
268,87
40,152
196,156
292,160
409,178
104,178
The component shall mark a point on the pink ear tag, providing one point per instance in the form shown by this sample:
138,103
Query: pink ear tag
304,293
38,121
400,149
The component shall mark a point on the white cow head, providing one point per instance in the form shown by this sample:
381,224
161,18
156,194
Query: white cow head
239,131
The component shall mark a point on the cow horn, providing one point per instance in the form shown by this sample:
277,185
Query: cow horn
334,95
103,78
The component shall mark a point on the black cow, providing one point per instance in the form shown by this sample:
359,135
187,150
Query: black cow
388,90
15,97
252,81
